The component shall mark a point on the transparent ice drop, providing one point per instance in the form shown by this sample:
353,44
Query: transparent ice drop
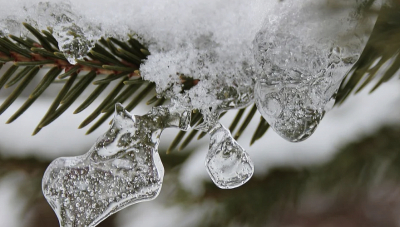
302,56
74,40
122,168
227,163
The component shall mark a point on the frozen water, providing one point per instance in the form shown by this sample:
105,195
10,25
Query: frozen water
302,57
226,46
293,97
210,41
75,35
227,163
202,39
122,168
290,56
9,26
74,41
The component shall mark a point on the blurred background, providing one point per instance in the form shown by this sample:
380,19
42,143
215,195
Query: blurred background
347,174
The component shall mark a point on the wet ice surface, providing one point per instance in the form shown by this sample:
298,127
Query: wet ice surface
227,163
291,66
121,169
301,58
205,40
75,35
73,40
288,55
300,83
124,168
235,50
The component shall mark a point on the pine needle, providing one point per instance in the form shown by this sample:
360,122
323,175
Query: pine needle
18,90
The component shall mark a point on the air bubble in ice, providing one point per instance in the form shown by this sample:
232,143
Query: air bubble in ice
122,168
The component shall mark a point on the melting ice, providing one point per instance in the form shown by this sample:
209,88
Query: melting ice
290,55
122,168
227,163
292,65
302,56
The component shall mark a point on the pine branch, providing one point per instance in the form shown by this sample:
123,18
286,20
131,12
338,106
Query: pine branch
380,57
30,56
119,60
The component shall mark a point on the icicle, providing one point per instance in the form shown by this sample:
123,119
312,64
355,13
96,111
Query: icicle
294,94
122,168
75,41
302,56
227,163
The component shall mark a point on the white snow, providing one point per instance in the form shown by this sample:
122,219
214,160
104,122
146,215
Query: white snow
209,40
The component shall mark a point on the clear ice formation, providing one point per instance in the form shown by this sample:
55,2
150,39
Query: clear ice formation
73,40
75,35
122,168
227,163
300,84
301,58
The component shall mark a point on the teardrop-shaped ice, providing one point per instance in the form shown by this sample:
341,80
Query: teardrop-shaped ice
297,85
302,56
227,163
288,110
72,40
122,168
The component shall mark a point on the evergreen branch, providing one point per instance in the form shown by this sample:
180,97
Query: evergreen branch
187,140
105,102
40,88
176,141
236,119
117,59
383,47
246,122
260,131
18,90
152,100
94,95
28,54
56,101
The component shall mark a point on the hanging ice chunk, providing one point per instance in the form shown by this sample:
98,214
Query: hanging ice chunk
299,83
302,56
75,36
227,163
73,42
74,33
122,168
